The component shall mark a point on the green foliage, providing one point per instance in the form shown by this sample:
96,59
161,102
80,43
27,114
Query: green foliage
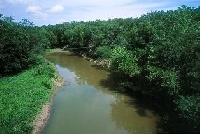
124,61
161,47
22,96
20,45
167,79
118,54
103,52
189,109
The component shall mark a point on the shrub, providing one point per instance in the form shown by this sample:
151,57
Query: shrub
103,52
188,108
124,61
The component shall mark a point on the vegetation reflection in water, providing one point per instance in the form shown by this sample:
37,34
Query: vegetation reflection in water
87,106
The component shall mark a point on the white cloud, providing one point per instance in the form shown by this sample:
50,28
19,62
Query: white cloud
86,10
111,9
37,12
33,9
56,9
106,13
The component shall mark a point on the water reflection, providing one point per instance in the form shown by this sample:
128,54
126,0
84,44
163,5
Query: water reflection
87,105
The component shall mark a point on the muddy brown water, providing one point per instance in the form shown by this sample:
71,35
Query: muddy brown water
87,106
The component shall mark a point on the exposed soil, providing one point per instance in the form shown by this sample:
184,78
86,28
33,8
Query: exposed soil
43,116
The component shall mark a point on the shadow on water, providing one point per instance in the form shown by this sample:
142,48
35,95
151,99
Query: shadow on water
168,123
131,110
142,103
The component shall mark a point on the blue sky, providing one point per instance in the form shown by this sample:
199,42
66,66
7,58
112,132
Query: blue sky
44,12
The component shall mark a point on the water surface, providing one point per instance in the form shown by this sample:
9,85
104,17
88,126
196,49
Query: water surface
86,105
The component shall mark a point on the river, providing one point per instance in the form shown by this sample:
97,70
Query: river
89,103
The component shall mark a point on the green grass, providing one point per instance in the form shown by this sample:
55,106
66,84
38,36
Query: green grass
22,96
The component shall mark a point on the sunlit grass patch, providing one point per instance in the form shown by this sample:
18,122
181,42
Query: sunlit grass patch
22,96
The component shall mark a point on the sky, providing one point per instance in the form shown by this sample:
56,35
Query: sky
44,12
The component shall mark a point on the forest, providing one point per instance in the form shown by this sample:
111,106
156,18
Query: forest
159,51
25,76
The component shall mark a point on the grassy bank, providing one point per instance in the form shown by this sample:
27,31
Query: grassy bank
22,97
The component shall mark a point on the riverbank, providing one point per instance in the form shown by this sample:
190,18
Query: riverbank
23,95
89,92
43,116
105,63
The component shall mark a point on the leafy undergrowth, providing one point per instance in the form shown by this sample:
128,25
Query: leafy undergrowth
22,96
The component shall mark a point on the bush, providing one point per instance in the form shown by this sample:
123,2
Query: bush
103,52
167,79
124,61
188,108
20,46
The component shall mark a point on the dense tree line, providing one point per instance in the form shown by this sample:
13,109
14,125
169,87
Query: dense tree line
161,49
25,77
21,43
